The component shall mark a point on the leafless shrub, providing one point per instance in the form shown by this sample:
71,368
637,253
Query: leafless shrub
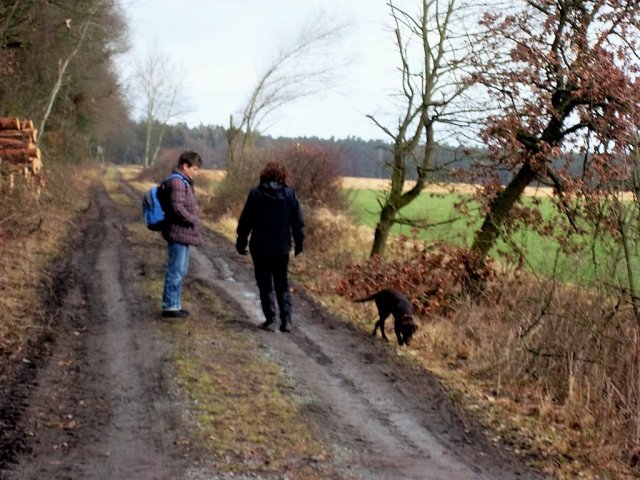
167,159
569,353
232,191
314,173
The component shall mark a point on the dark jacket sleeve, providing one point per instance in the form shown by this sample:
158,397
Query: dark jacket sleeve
246,222
296,221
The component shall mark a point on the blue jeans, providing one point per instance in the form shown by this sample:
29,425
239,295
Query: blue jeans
177,268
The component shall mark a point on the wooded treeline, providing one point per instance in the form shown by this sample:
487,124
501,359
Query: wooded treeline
356,156
57,69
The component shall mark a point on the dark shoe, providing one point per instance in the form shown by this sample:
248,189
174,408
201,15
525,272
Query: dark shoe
175,313
285,326
268,325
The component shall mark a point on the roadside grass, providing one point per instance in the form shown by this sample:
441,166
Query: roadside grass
241,404
34,232
437,209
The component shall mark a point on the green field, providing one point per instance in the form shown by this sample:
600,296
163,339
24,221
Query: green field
542,255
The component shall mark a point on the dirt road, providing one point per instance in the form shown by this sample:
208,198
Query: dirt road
98,396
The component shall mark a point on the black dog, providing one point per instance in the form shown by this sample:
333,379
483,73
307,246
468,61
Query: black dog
392,302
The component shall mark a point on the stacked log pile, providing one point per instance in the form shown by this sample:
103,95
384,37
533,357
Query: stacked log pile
18,149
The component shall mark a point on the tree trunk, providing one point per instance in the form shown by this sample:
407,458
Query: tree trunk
629,265
26,135
62,71
14,156
147,145
499,211
12,143
397,200
156,151
231,142
383,229
28,150
9,123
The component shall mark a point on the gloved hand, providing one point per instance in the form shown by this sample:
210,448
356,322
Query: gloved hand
241,248
297,249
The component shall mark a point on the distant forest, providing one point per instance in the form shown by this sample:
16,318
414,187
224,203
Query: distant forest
357,157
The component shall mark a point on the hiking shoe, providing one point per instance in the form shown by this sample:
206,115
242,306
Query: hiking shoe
268,325
175,313
285,327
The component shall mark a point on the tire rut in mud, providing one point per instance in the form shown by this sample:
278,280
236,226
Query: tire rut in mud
23,372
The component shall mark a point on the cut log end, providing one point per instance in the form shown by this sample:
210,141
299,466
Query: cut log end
7,123
18,149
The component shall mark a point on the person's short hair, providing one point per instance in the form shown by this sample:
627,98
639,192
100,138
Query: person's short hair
190,158
274,172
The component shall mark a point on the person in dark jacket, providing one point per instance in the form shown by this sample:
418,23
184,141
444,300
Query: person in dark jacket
272,216
181,229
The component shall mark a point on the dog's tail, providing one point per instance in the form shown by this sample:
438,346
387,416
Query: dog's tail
366,299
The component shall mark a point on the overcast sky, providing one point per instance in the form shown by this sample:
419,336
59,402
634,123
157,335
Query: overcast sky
221,45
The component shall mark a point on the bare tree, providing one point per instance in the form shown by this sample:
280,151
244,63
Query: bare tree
301,67
433,63
159,91
63,65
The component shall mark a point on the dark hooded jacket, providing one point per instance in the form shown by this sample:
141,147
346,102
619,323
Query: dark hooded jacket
272,216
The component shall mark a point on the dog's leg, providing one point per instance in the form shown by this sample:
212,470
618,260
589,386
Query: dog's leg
397,328
398,332
380,325
375,327
382,332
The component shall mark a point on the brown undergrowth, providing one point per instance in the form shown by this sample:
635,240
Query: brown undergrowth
550,369
555,364
34,231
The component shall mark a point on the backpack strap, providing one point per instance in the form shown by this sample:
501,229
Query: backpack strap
174,175
162,191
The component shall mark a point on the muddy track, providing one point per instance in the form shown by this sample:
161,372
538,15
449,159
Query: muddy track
96,401
391,420
96,405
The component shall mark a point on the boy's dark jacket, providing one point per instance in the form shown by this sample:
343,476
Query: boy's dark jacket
271,215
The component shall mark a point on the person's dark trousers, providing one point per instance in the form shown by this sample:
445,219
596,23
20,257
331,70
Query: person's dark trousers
273,283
